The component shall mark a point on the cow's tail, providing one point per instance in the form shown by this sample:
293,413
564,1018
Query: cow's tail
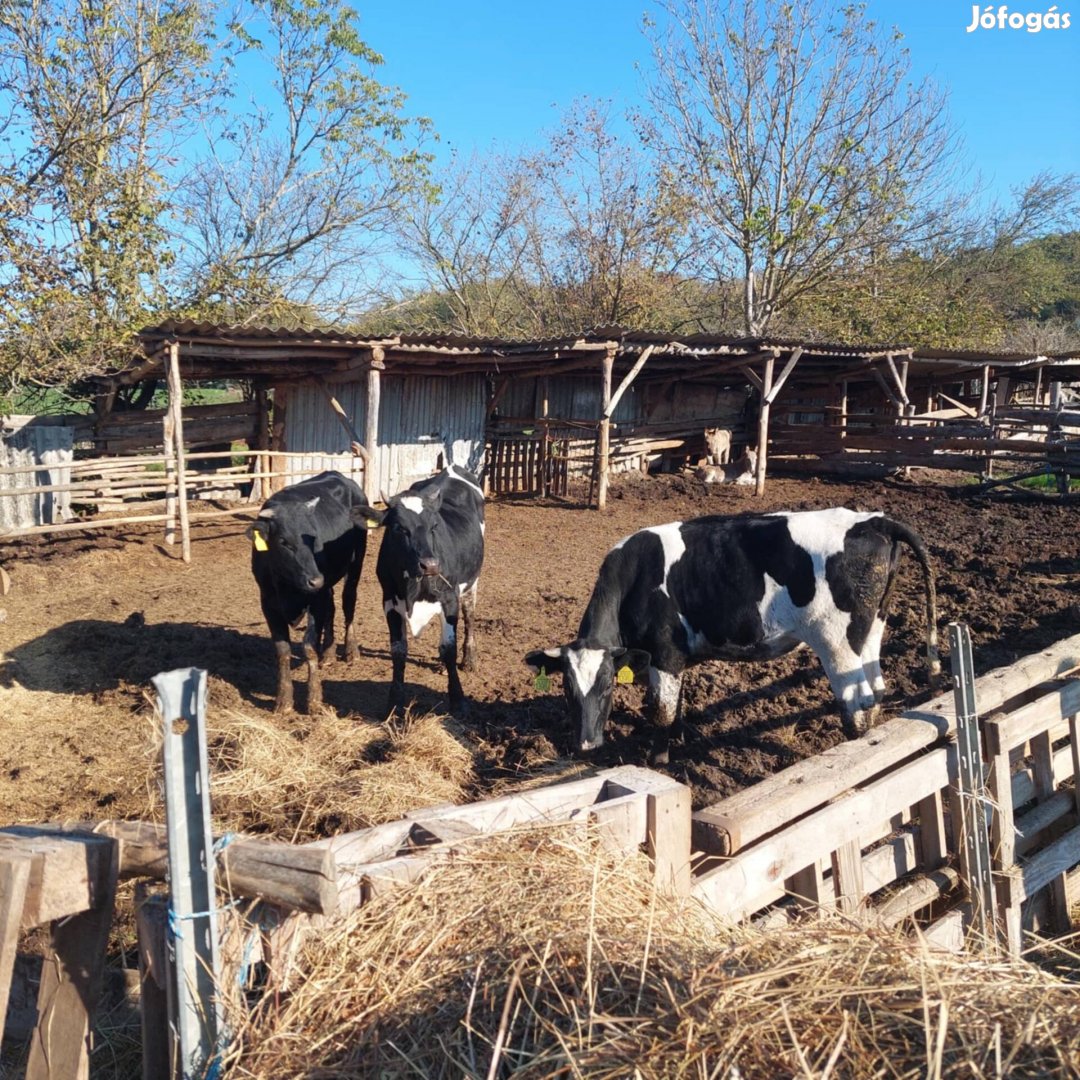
898,531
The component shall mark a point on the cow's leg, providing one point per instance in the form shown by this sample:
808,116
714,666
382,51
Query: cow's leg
279,632
348,604
318,613
849,683
326,635
448,655
468,638
871,660
662,704
399,653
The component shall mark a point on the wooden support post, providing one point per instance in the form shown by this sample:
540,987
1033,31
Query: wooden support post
260,489
71,976
973,838
808,888
847,871
763,427
176,405
371,424
667,816
155,978
1042,754
545,438
610,405
931,837
14,878
984,390
168,442
843,409
355,444
603,454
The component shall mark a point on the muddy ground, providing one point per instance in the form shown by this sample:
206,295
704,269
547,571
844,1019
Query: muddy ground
91,619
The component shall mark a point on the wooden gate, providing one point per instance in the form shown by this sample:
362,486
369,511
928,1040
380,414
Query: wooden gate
528,462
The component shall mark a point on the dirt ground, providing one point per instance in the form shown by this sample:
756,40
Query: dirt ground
91,619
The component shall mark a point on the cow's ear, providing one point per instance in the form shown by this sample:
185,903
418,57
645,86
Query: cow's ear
433,500
258,532
631,665
551,661
367,517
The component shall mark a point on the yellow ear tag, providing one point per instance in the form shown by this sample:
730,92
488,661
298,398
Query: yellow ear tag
372,523
542,682
260,543
625,675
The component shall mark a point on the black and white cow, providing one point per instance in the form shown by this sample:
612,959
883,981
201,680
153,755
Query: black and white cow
428,565
306,538
747,587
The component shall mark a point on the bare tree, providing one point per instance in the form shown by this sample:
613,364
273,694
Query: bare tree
610,240
292,197
468,242
793,127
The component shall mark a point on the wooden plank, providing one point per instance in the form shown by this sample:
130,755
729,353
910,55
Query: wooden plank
763,428
778,385
848,877
734,889
71,981
151,922
14,878
63,871
732,824
621,823
947,933
918,894
1044,866
1030,720
628,378
807,887
1042,754
931,833
668,837
1030,827
603,461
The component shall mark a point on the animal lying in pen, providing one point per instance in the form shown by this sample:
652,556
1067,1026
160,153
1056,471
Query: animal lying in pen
747,587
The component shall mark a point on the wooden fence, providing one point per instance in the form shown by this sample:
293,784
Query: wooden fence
871,827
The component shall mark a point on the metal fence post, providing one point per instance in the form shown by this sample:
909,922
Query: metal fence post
192,916
972,835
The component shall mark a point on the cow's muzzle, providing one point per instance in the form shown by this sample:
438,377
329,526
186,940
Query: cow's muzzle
316,583
430,568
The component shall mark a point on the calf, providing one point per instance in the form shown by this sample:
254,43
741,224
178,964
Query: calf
428,565
305,539
750,587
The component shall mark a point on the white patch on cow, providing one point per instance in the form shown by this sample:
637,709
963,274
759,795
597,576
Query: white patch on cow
456,475
697,643
584,665
413,503
267,512
423,611
871,658
674,546
664,689
311,503
821,533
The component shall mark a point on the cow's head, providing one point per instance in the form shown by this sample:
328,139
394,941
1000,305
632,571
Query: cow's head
412,523
589,675
286,536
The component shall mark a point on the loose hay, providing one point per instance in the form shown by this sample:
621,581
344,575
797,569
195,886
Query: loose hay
536,957
313,777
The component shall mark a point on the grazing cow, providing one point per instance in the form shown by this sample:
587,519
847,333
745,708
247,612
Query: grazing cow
739,472
428,565
305,539
748,587
717,445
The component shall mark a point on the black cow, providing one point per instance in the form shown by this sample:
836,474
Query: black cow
750,587
305,539
428,565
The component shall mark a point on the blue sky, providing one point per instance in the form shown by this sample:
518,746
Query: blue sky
488,72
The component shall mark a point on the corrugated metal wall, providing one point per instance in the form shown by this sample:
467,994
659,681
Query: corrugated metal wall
420,418
570,397
32,440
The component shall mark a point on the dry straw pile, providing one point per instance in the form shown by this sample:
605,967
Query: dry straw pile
536,957
319,776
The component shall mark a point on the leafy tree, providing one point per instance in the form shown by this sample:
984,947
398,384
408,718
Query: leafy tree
96,98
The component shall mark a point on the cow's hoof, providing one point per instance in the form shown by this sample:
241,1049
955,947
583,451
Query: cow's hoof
468,662
857,724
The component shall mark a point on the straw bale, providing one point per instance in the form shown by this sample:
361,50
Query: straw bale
318,776
539,956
